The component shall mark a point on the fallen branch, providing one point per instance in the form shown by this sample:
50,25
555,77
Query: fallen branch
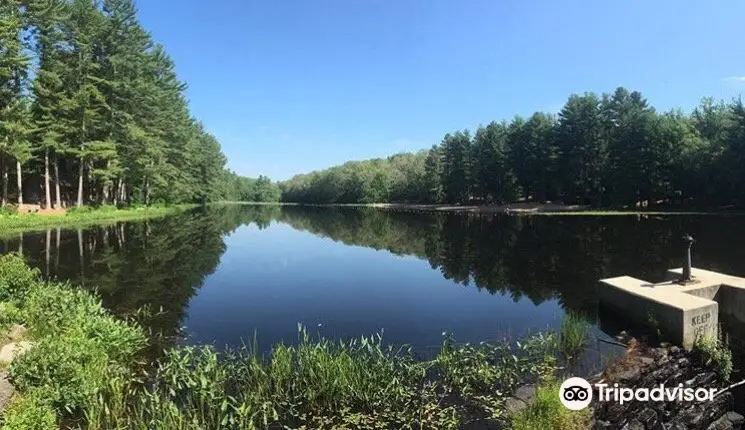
730,387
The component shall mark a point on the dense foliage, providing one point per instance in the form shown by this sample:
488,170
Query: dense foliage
91,111
242,189
611,150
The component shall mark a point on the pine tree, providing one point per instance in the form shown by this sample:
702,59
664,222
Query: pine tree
48,90
493,172
583,151
85,109
14,118
456,157
433,174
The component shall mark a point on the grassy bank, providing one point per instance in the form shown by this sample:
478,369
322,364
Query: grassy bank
84,372
83,217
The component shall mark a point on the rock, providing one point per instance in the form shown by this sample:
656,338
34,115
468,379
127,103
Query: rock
647,360
674,350
703,380
13,350
683,362
513,406
633,425
526,393
736,419
728,421
6,390
17,333
649,417
628,375
601,425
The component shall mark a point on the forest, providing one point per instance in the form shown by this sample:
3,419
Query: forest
92,112
609,150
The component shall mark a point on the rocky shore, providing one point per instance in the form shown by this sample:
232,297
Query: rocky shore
649,368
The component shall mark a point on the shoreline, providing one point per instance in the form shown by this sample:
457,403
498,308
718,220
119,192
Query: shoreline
23,223
524,209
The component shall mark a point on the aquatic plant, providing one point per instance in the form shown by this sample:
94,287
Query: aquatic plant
573,334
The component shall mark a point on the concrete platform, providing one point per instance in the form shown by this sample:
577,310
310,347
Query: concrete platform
682,313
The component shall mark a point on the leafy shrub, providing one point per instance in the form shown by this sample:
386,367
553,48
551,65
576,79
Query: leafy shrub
30,412
713,351
16,278
547,412
56,308
10,314
79,346
71,369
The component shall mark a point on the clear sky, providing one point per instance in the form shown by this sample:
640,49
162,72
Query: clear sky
290,86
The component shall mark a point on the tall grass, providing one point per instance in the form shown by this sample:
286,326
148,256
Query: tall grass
83,371
318,383
547,412
573,335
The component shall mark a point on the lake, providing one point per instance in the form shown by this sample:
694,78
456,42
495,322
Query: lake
243,273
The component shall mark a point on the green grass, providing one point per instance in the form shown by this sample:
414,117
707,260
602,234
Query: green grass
84,371
573,335
548,413
84,217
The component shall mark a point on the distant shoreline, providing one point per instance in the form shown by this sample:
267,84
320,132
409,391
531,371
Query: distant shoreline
523,209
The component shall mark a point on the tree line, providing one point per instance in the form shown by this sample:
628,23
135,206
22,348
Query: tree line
92,111
609,150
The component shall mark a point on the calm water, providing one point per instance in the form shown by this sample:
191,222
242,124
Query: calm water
226,274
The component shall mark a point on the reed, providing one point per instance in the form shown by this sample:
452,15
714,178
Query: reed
573,335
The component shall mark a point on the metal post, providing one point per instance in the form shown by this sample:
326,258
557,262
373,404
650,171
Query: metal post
688,242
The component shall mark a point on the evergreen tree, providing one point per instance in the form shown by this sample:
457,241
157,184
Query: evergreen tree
493,173
456,153
14,118
433,174
583,151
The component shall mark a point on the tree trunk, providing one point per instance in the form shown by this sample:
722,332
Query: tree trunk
91,187
47,194
19,178
58,198
81,171
4,168
123,196
147,192
115,191
20,243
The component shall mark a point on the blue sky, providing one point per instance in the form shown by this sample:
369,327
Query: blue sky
290,86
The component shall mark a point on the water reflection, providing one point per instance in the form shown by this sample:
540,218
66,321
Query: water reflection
543,265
